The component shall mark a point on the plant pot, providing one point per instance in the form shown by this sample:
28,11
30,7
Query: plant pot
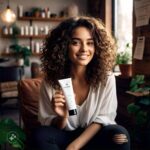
37,14
126,70
20,62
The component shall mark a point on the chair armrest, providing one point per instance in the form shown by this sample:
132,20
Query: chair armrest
29,95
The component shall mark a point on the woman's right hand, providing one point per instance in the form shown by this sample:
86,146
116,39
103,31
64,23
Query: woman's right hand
59,104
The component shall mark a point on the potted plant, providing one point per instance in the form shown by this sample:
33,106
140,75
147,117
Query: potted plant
11,133
21,53
140,108
124,60
36,11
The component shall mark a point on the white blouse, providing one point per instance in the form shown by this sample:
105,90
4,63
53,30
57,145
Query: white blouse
100,106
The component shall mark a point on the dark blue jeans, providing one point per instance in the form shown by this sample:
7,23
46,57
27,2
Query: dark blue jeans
51,138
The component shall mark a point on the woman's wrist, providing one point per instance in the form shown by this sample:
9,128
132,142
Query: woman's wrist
62,118
59,121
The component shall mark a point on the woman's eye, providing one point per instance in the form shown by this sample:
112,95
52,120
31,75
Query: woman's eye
75,42
90,43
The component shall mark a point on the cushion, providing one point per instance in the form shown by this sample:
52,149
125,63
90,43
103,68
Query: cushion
9,94
29,95
8,86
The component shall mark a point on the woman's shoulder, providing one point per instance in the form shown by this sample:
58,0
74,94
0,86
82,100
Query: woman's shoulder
45,85
46,89
111,80
110,75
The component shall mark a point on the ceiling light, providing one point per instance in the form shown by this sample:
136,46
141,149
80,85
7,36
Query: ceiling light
8,16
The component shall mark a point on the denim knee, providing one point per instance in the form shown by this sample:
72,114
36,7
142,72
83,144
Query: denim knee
118,129
113,130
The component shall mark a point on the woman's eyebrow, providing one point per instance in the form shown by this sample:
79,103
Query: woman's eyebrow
74,38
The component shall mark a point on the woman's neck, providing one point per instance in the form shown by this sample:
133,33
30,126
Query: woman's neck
80,86
78,73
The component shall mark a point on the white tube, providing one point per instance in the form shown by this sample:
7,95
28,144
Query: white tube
66,85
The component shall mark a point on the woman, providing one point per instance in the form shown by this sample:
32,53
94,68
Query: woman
79,48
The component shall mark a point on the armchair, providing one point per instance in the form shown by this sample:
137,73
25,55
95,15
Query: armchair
29,95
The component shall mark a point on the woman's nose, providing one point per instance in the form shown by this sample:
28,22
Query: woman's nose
84,47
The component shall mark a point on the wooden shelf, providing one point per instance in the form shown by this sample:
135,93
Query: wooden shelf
12,54
54,19
25,36
30,37
36,54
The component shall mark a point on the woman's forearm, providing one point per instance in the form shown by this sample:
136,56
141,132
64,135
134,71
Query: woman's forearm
59,122
86,136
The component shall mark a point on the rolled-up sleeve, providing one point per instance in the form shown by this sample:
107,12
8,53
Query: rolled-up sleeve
45,114
108,104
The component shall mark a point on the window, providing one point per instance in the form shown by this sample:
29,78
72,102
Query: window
123,23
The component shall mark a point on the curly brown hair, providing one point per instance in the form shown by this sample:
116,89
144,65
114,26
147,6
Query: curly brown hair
55,60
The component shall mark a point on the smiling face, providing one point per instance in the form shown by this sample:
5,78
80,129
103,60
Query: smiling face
81,47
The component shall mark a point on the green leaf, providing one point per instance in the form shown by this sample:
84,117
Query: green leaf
132,108
134,88
136,82
9,128
21,52
146,88
123,58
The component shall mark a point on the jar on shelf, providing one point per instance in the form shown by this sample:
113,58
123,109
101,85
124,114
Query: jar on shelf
26,30
37,47
36,31
5,30
42,31
43,14
46,30
22,30
48,13
73,10
10,30
7,50
20,11
33,46
31,30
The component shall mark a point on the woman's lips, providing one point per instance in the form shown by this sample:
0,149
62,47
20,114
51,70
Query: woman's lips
82,56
